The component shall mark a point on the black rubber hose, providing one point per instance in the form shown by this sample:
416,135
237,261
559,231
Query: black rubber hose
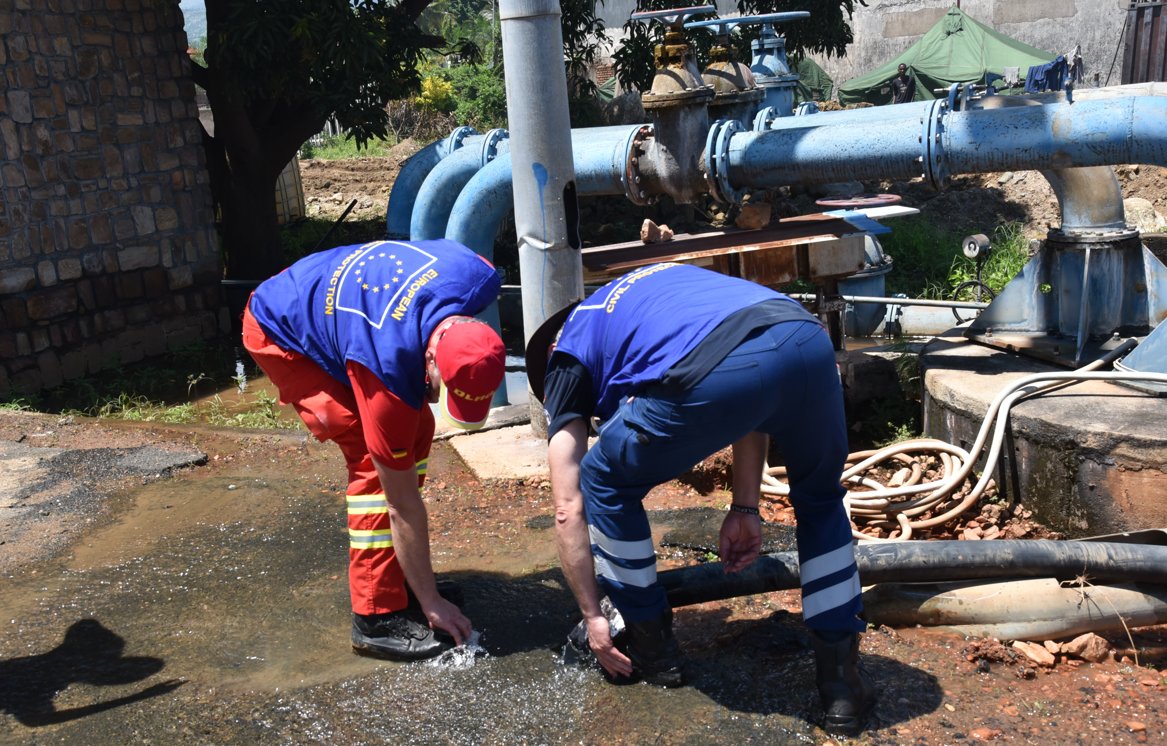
930,561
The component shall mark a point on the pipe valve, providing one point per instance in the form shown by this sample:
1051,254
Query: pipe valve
677,80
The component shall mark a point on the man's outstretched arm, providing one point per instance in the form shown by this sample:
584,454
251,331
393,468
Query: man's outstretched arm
564,454
741,533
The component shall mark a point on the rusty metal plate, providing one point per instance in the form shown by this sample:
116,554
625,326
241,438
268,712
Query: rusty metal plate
807,246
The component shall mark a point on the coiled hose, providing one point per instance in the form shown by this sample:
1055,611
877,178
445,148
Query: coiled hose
875,503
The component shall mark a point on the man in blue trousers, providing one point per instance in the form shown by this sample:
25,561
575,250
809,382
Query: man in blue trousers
678,362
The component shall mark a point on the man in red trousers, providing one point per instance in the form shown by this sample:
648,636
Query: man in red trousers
361,340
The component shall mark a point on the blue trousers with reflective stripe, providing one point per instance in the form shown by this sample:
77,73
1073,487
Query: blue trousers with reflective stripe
782,381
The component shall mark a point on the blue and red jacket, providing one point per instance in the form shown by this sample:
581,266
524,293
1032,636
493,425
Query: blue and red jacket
376,304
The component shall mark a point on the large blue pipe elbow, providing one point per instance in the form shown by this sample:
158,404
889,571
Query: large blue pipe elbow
445,182
600,155
411,175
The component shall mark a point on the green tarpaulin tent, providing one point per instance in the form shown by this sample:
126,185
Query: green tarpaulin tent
813,82
958,49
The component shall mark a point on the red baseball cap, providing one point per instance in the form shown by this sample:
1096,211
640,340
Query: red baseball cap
472,360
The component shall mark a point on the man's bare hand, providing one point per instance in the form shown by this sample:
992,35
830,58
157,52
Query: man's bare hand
741,540
446,616
600,640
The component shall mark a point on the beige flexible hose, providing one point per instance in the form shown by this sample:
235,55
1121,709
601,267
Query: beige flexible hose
870,502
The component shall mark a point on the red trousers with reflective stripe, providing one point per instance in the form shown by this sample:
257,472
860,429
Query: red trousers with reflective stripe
329,409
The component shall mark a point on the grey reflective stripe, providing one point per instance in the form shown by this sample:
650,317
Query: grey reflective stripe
374,502
827,564
832,597
627,550
640,577
384,538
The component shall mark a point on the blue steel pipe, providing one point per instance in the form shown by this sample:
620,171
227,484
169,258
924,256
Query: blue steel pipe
488,197
864,116
413,173
441,187
599,156
829,147
1063,135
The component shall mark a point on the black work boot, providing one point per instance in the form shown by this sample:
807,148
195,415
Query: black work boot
847,695
655,655
403,635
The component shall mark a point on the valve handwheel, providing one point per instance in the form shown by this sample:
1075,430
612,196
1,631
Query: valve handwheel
859,200
674,18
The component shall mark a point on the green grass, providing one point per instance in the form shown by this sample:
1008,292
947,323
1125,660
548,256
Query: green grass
172,390
1010,252
338,148
923,254
928,261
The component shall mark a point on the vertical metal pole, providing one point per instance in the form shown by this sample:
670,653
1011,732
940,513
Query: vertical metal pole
546,213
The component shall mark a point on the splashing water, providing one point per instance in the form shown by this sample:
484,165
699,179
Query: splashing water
462,656
240,376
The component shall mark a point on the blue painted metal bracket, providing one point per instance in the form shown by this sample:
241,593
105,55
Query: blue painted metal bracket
860,221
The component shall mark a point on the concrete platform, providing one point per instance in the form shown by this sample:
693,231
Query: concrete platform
512,452
1087,459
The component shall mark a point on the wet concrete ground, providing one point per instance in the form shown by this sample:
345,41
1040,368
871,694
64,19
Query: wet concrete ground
187,585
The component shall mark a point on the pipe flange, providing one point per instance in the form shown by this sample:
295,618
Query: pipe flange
631,179
455,138
1091,238
935,165
763,118
717,161
491,142
952,98
698,94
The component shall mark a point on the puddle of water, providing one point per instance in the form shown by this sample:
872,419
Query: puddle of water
242,594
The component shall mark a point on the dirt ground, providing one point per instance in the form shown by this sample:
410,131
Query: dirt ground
935,687
329,186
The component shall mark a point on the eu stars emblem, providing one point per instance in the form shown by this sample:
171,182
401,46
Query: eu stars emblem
382,279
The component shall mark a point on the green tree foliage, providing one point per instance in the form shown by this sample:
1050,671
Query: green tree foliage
275,71
470,26
827,31
481,95
480,87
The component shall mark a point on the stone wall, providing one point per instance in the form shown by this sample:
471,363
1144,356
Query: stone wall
108,253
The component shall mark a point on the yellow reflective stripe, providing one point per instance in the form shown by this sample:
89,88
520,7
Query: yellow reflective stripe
422,465
370,539
399,454
366,504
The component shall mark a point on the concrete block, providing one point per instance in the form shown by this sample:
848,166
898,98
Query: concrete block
507,453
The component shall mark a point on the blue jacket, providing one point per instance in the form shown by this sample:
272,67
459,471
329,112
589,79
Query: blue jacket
631,331
375,304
